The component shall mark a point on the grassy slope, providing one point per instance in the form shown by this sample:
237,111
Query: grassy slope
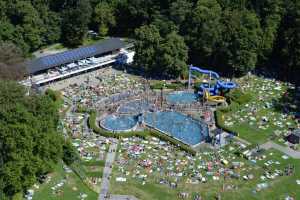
250,132
278,189
68,192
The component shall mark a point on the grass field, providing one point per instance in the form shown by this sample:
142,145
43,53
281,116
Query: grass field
266,103
71,190
278,188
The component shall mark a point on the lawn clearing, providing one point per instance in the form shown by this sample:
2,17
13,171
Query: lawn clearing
70,190
264,117
162,172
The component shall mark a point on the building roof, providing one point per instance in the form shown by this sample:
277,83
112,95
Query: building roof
48,62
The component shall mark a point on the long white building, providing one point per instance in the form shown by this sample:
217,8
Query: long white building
67,64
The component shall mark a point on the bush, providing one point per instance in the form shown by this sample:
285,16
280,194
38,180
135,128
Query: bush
245,98
220,121
82,109
54,95
97,174
238,96
162,84
94,163
69,153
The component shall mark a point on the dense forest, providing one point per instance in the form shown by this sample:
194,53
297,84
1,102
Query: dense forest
232,36
30,143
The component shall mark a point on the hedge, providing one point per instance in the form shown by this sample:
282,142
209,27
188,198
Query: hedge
94,163
162,84
82,109
143,134
237,98
173,141
220,121
97,174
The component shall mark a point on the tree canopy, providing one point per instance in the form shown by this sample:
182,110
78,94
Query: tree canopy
29,141
231,36
104,17
11,62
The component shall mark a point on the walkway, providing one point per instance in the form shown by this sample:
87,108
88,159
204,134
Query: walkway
122,197
242,140
110,158
288,151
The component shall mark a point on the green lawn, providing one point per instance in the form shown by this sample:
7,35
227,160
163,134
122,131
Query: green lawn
278,188
247,120
69,191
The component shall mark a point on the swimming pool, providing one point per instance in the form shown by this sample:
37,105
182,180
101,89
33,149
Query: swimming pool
121,123
182,97
180,126
135,107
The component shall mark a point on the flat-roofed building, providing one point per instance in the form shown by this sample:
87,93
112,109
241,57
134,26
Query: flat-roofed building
62,65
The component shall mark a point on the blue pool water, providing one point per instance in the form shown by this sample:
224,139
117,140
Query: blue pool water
136,106
180,126
119,123
182,97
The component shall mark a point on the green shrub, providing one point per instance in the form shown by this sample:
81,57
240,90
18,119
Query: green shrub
70,154
94,163
162,84
97,174
82,109
245,98
238,96
220,122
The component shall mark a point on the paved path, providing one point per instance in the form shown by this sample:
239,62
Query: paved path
242,140
122,197
110,158
288,151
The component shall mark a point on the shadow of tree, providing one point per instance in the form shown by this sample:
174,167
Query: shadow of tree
289,103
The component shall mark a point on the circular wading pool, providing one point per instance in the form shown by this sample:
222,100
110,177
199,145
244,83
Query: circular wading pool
119,123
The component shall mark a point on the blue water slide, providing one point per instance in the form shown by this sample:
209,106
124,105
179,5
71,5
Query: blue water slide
226,85
203,71
205,86
212,89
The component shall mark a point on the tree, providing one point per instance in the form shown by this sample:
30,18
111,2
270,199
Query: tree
203,31
146,47
135,13
270,14
26,17
70,153
11,62
104,17
179,11
289,44
164,25
76,18
29,141
173,56
241,37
